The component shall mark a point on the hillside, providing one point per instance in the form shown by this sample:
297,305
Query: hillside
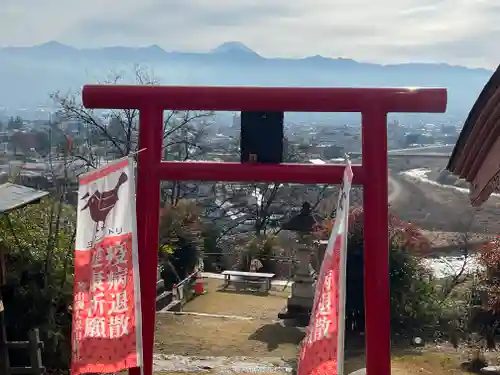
29,73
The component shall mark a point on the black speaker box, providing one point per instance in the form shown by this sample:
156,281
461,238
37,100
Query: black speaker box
261,137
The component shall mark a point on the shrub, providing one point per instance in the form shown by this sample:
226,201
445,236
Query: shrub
485,317
413,299
261,247
38,241
180,240
489,258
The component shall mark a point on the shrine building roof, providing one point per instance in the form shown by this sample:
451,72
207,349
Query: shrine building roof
476,156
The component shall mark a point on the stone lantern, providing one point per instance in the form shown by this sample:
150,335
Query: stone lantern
300,302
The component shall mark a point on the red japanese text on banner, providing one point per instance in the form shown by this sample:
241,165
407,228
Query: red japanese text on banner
322,350
106,332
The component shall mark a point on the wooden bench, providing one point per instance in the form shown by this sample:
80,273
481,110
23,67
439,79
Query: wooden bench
249,277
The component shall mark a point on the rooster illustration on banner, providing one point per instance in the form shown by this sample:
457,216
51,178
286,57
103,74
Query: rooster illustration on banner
100,204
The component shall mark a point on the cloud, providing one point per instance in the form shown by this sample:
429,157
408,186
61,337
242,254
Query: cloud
454,31
175,19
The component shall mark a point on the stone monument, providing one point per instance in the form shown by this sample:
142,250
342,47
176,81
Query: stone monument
301,300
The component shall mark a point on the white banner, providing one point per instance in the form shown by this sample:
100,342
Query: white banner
341,216
107,334
322,350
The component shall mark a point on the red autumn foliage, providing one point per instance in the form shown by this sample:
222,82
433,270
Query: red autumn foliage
489,258
407,235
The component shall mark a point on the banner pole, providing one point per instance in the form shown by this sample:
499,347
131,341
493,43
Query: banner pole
342,302
343,284
135,262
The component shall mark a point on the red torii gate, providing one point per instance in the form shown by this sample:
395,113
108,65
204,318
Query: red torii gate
374,105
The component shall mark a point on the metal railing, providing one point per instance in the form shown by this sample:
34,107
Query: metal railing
34,347
183,292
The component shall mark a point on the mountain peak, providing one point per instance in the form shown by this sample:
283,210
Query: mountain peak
233,47
54,46
155,47
52,43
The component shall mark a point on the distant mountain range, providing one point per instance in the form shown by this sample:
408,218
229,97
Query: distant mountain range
29,74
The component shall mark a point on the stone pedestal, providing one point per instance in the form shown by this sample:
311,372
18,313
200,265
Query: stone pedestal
300,302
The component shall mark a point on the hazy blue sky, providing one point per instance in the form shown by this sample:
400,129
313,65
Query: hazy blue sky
455,31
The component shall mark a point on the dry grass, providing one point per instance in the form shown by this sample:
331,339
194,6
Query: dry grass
437,363
427,363
442,209
207,336
262,336
202,336
249,304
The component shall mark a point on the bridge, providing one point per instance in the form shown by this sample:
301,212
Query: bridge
432,151
438,155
